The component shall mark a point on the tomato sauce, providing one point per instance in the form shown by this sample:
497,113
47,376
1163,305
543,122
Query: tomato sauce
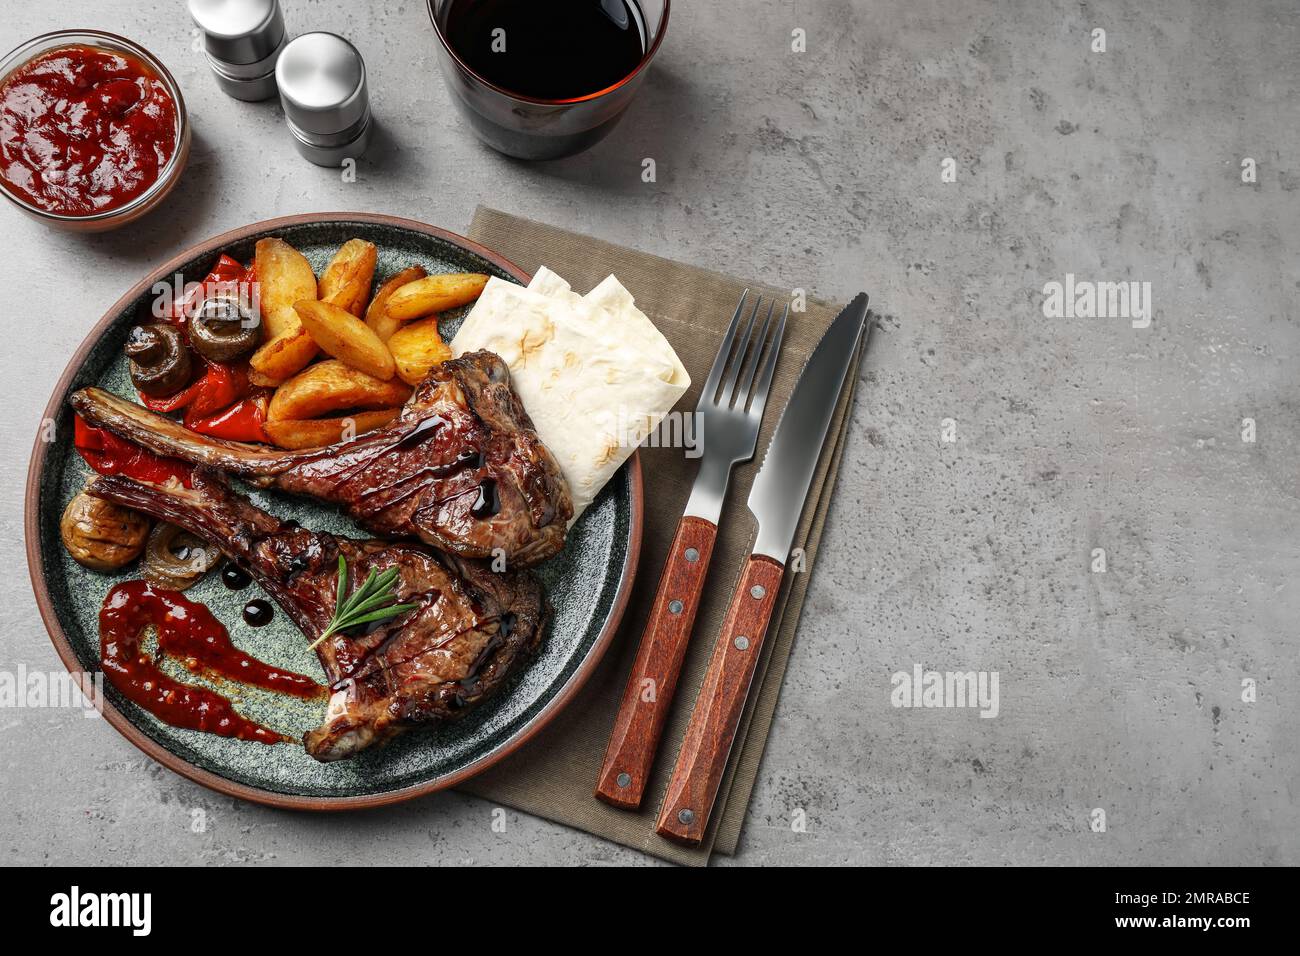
84,130
189,632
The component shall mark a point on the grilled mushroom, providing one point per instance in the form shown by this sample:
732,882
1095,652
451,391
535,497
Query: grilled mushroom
160,360
102,536
222,330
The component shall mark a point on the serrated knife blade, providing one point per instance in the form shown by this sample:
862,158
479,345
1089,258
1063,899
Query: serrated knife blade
781,486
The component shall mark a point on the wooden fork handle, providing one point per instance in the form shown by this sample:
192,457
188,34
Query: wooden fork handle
650,686
684,816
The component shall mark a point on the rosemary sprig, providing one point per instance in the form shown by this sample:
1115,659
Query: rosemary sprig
366,604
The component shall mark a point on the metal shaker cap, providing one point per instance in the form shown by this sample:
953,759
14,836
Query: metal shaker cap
322,81
239,32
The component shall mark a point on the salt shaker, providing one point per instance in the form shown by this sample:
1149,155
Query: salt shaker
322,81
242,40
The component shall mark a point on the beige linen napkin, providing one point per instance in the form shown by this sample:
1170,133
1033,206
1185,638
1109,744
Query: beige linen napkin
554,774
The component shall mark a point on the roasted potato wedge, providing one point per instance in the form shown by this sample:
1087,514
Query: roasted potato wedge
284,277
318,432
377,316
330,387
346,280
283,356
344,336
416,348
435,294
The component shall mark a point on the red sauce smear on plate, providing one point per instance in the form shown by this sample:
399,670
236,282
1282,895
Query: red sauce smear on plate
189,632
84,130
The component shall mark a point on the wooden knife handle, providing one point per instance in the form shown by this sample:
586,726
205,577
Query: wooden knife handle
650,686
703,758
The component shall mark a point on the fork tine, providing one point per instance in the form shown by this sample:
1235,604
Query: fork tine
769,367
724,352
742,390
729,383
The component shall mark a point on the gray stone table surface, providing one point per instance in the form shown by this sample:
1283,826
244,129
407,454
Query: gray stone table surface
995,452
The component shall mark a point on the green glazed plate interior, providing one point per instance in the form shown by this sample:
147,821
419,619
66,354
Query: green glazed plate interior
586,584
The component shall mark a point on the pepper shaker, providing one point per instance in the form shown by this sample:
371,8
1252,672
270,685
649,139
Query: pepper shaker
322,81
243,40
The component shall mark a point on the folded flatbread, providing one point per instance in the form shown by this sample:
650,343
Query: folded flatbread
593,372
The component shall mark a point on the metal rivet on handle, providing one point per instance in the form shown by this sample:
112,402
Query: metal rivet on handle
624,779
742,643
757,592
675,607
686,816
692,555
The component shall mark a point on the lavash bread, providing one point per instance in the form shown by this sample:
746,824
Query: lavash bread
593,372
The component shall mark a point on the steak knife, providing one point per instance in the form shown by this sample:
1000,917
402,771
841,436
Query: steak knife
776,501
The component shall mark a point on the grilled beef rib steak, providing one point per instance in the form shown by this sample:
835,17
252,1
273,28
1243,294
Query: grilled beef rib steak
461,468
472,628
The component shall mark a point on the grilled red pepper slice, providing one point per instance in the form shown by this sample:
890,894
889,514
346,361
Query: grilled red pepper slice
110,455
242,421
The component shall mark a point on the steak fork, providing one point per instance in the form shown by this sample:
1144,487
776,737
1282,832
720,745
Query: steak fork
729,411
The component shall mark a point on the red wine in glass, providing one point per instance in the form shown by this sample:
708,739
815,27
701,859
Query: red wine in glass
548,49
542,79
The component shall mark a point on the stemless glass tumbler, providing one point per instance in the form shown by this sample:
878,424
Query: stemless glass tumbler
530,128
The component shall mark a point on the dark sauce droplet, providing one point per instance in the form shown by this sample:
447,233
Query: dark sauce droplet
420,432
470,458
465,691
235,578
258,613
487,503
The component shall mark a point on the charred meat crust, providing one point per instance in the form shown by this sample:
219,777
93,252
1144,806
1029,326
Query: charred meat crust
471,630
462,468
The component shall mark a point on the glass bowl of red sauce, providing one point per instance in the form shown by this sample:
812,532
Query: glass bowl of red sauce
93,130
